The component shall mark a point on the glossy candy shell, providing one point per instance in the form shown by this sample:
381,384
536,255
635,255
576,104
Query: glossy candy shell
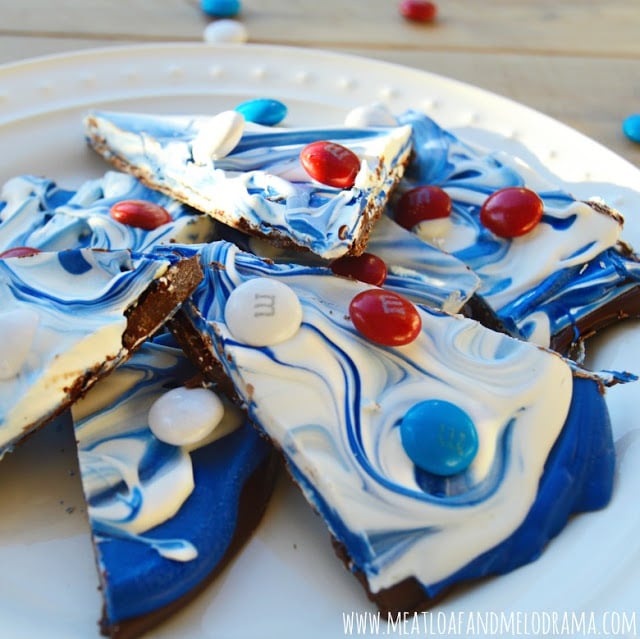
512,212
330,163
385,318
421,204
140,214
366,267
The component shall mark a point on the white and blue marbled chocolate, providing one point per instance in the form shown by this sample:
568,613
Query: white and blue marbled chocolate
38,213
63,319
545,282
333,401
258,185
420,272
162,516
415,269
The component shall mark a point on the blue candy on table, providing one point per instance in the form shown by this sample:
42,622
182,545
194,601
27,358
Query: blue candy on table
221,8
631,127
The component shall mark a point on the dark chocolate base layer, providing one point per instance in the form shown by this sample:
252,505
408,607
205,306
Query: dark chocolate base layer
626,306
160,301
478,309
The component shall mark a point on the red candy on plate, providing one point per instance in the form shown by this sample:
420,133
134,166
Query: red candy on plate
512,211
385,317
367,268
19,251
418,10
330,163
140,214
422,203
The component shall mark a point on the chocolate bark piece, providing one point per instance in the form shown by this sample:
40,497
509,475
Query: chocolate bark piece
334,402
557,285
169,502
257,183
74,316
44,214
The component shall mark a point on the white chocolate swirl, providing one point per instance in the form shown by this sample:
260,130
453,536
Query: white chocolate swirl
333,400
39,213
132,481
260,185
94,288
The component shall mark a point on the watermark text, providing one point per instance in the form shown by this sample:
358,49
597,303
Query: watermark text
491,624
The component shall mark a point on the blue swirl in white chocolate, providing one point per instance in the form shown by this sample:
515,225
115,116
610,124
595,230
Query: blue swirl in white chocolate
544,282
67,316
162,516
40,214
420,272
119,456
415,269
333,401
260,185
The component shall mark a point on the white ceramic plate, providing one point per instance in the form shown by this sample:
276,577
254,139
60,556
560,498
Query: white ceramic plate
287,582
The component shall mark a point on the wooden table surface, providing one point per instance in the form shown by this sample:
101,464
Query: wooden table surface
577,60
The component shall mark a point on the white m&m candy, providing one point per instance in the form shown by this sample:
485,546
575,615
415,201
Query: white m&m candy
375,114
263,312
218,137
225,31
185,416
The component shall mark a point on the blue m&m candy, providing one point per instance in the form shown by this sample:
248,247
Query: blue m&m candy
631,127
263,111
439,437
221,8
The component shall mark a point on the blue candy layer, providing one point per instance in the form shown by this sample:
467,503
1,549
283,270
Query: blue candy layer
140,580
155,542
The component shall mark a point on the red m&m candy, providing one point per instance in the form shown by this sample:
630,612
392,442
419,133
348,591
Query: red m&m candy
330,163
385,317
367,268
140,214
418,10
512,212
422,203
19,251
